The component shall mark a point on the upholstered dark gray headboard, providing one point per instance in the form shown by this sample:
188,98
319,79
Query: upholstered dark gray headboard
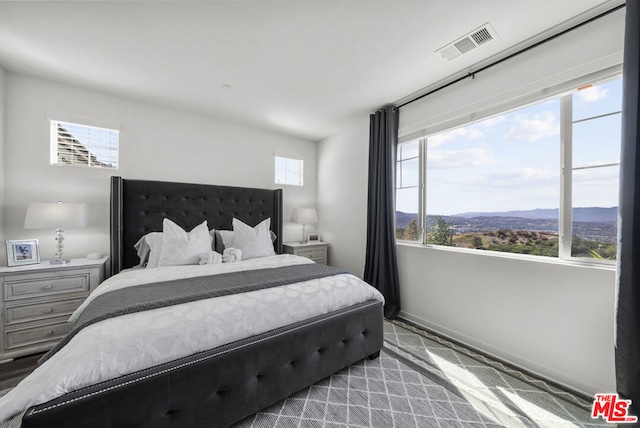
139,207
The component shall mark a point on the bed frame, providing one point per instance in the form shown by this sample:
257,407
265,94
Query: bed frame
224,385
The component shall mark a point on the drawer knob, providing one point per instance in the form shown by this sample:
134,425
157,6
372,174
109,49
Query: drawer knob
48,310
48,287
49,333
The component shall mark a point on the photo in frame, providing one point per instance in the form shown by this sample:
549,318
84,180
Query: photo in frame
22,252
314,236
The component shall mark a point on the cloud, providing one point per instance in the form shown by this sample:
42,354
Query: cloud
592,94
441,159
534,128
524,175
515,178
597,176
470,133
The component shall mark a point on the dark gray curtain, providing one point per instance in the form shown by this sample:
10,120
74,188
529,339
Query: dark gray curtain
381,268
627,350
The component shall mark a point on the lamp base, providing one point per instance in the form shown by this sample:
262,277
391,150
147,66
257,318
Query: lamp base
60,261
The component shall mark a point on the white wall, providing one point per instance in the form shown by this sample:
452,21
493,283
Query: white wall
552,318
342,195
156,143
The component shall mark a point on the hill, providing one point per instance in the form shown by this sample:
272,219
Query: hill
582,214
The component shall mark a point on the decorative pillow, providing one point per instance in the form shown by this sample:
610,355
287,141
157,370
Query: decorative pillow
143,247
224,239
216,245
227,237
182,248
253,241
154,240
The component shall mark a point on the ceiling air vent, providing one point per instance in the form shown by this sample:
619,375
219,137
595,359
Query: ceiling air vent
466,43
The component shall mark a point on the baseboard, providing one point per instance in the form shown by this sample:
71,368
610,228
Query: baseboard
507,358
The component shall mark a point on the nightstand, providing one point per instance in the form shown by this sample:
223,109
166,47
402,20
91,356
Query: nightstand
314,250
37,300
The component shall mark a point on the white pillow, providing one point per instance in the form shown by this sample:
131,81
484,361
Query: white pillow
253,241
180,247
227,237
153,241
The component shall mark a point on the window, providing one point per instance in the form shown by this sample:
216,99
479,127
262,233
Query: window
500,184
73,144
289,171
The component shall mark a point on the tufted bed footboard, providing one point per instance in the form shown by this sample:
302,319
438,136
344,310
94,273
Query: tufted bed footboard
219,387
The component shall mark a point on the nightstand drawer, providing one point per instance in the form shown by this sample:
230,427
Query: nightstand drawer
26,288
41,310
314,254
30,336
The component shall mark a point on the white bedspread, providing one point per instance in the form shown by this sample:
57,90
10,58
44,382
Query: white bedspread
133,342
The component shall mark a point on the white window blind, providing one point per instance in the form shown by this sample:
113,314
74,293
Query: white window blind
289,171
74,144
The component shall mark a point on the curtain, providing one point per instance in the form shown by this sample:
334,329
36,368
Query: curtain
627,351
381,268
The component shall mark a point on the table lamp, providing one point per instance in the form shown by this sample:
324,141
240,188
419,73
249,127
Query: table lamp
304,216
58,216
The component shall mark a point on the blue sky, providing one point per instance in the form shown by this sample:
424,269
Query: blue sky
512,161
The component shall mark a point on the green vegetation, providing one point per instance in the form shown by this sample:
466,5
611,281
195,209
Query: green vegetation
593,249
440,232
409,233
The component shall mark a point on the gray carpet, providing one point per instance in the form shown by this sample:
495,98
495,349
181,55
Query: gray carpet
422,380
381,393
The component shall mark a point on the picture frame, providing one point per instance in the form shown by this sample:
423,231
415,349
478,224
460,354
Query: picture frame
22,252
314,236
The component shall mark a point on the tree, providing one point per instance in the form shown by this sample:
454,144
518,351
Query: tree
440,232
409,233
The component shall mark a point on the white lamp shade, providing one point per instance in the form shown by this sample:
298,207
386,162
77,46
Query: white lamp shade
55,215
304,215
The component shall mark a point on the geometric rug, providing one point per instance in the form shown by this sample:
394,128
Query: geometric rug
502,392
372,393
423,380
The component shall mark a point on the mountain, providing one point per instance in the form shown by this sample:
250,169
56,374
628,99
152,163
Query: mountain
587,214
403,219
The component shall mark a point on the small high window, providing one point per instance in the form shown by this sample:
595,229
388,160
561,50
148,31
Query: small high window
289,171
74,144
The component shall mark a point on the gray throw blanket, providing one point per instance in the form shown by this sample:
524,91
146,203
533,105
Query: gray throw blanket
166,293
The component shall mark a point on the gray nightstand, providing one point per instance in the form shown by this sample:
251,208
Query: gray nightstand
314,250
38,299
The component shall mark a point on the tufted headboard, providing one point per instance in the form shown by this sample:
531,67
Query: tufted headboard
139,206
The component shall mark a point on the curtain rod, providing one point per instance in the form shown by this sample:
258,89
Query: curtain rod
472,74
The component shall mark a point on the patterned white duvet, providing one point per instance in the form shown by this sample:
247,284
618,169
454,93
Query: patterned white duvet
133,342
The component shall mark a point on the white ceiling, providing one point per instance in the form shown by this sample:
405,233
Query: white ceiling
303,68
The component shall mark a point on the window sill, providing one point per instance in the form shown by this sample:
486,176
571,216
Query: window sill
605,265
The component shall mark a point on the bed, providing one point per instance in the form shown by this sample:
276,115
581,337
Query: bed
224,384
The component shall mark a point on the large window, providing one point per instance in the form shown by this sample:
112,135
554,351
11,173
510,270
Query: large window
539,180
74,144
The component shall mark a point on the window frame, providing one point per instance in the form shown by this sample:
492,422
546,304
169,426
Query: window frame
91,146
565,221
300,174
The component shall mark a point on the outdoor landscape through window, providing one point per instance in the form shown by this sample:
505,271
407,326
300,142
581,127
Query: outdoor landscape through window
496,184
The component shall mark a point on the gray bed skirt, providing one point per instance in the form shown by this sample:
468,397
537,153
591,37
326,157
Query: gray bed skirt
222,386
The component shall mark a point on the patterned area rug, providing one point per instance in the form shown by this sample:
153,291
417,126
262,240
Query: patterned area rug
511,397
421,380
382,393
